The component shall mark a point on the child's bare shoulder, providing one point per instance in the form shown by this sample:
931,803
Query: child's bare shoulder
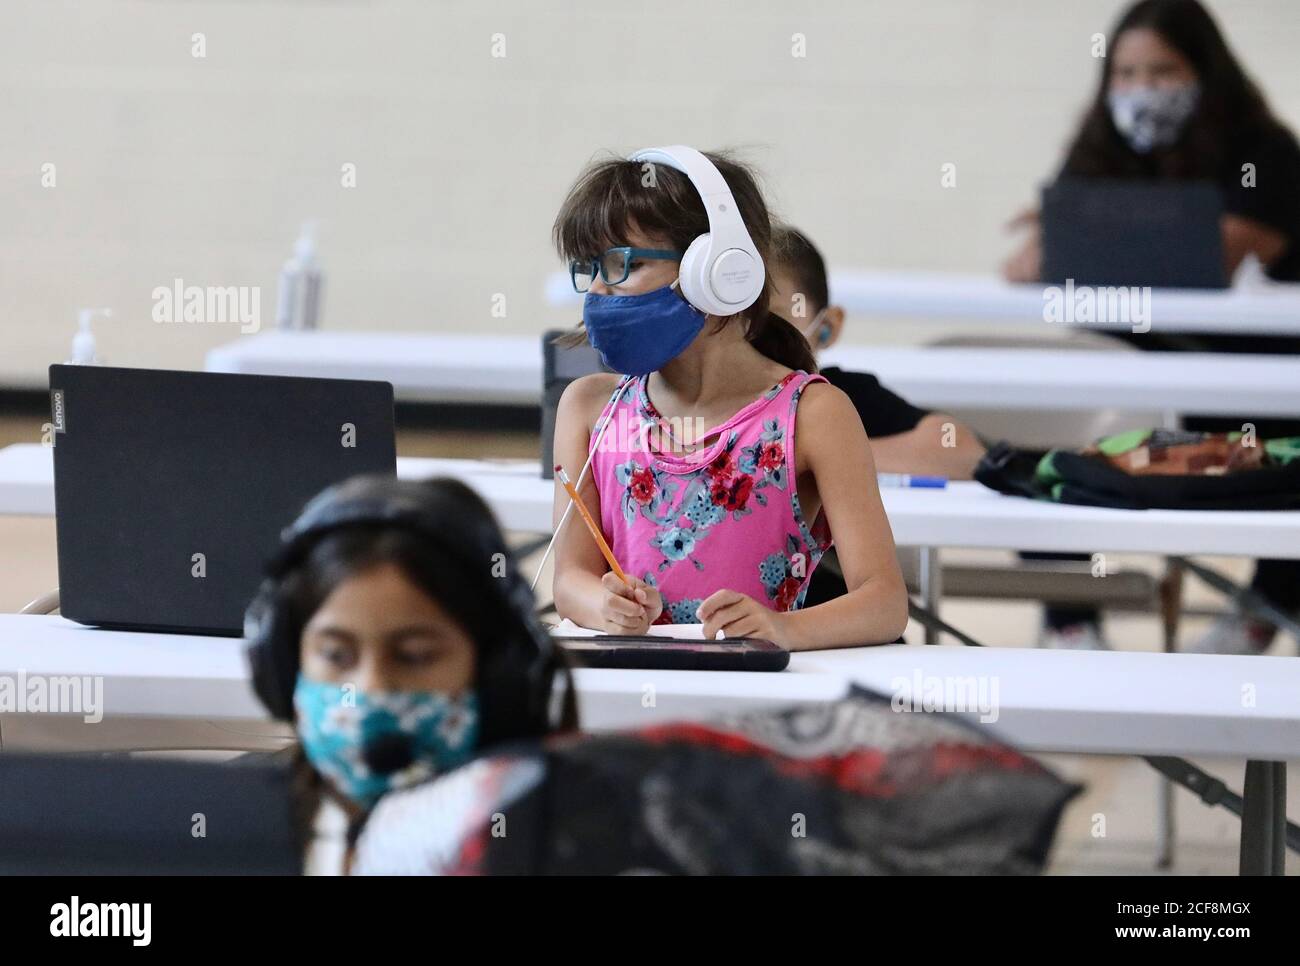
824,397
823,406
586,396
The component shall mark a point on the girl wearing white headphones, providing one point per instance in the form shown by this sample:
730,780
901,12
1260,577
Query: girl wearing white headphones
709,506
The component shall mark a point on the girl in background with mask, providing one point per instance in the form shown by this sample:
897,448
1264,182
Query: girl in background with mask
1174,103
708,504
396,634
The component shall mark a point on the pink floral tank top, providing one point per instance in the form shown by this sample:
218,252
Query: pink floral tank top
724,516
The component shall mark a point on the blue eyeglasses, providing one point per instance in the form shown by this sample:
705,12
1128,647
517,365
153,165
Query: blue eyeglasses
614,266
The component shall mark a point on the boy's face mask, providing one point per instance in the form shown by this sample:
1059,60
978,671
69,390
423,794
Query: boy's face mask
369,743
817,334
1152,117
637,334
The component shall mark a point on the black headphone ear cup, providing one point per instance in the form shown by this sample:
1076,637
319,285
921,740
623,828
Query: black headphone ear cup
515,673
517,678
526,665
272,658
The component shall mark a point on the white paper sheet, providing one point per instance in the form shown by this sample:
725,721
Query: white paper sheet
567,628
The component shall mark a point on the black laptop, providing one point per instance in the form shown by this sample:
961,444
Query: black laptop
171,488
1113,232
80,815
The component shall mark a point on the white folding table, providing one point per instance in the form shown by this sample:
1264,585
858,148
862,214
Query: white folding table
1088,702
1203,383
508,369
423,367
1261,307
964,515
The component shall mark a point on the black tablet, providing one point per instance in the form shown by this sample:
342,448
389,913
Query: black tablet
672,654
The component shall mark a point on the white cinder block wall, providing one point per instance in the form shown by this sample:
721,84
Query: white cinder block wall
167,165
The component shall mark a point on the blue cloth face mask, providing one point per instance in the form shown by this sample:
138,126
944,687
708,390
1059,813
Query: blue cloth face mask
638,334
368,743
1152,117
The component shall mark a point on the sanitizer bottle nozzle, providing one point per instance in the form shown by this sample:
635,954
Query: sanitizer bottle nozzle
298,298
83,343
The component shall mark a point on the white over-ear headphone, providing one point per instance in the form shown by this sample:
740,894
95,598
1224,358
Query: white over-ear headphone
721,272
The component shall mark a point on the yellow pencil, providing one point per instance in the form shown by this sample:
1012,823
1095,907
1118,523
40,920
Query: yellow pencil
563,477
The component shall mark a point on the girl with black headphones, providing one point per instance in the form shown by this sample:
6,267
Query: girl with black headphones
396,633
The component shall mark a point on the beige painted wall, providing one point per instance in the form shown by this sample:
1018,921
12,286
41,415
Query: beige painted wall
169,165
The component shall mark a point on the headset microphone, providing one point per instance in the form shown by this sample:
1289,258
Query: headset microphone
388,753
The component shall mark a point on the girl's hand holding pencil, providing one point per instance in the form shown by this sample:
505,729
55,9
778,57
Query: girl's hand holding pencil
629,608
630,605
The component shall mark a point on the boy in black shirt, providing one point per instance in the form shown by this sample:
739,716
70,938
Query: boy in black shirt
904,439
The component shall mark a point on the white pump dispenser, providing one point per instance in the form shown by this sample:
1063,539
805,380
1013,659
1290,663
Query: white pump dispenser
298,299
83,343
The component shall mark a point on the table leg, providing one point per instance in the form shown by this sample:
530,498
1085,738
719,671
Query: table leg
931,587
1166,833
1171,600
1263,819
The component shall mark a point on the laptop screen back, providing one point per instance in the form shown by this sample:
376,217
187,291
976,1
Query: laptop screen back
79,815
1133,233
171,488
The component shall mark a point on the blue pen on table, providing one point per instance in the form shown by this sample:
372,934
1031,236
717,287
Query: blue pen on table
911,481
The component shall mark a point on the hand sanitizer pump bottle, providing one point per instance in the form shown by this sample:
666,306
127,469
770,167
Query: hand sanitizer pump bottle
298,298
83,343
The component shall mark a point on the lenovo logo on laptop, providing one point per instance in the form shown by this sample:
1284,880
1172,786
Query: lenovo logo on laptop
57,411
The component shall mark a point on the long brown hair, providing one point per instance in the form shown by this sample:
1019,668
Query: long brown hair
1231,114
611,196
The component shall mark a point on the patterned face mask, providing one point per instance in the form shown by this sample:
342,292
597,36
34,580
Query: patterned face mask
1152,117
366,743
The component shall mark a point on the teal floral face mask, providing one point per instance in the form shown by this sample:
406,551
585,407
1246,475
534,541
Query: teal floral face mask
368,743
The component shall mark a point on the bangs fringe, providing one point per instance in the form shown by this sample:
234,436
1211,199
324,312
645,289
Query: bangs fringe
609,200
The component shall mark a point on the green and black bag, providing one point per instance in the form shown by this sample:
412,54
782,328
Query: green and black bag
1155,468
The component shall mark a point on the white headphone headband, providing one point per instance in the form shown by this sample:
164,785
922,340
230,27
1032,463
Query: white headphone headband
725,223
722,272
